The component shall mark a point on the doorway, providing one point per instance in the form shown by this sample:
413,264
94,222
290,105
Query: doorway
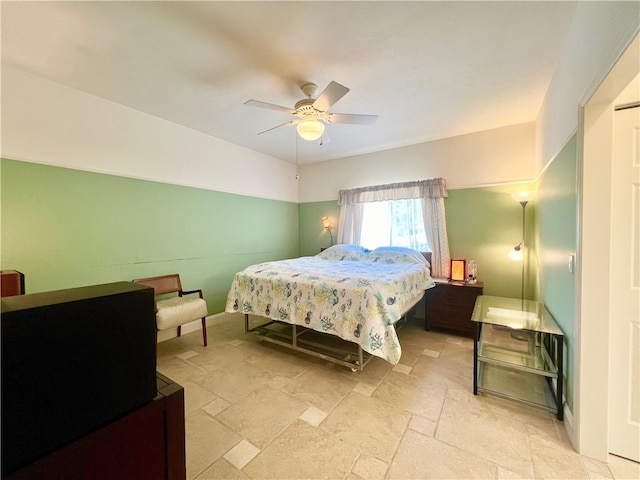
601,310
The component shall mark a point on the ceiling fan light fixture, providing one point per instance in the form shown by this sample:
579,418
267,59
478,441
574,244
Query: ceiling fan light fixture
310,129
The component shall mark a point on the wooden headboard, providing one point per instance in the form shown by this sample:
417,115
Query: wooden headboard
427,255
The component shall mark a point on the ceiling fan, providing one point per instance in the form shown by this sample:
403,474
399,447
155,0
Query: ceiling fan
312,112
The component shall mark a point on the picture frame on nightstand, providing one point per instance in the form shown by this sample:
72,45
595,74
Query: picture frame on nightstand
458,270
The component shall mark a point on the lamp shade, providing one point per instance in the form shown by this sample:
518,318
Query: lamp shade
523,196
310,129
516,253
326,223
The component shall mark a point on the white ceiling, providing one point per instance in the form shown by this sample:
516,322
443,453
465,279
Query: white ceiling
429,69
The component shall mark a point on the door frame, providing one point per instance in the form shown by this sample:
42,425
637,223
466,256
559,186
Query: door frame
591,355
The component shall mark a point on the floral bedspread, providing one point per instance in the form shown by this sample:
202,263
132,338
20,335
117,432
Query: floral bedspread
357,300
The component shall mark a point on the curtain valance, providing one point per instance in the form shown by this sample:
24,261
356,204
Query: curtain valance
433,188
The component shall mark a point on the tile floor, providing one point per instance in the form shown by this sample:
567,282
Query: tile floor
257,411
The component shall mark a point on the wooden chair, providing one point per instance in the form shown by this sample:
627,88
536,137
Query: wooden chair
175,311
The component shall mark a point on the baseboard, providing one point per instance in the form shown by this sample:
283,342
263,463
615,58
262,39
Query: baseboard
189,327
569,426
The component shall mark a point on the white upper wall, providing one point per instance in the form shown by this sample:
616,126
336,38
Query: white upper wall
50,123
599,34
47,122
499,155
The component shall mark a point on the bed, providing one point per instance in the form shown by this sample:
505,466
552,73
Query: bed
341,305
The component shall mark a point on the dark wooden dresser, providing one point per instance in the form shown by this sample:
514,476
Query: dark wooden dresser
145,444
448,306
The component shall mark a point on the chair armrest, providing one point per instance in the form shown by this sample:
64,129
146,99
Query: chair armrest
189,292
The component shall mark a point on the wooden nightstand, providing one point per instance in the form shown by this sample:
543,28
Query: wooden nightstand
449,306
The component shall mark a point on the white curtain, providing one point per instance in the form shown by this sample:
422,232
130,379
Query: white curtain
435,228
350,223
432,193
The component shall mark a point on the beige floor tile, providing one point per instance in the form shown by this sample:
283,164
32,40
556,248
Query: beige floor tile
170,348
552,462
251,345
412,394
409,356
241,454
506,474
195,396
374,371
597,469
401,368
427,424
542,421
547,434
455,340
186,355
494,437
177,369
278,383
422,457
193,340
303,452
218,358
369,424
206,441
365,388
370,468
423,425
221,469
539,418
353,476
453,366
420,338
233,381
229,325
431,353
262,414
624,469
215,406
313,416
279,362
321,387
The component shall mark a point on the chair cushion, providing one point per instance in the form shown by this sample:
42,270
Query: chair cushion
175,311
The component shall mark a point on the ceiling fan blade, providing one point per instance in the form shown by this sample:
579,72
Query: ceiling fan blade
292,122
270,106
354,119
329,96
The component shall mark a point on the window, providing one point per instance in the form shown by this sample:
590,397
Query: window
399,214
398,223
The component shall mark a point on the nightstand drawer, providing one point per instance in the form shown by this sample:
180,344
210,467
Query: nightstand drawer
449,306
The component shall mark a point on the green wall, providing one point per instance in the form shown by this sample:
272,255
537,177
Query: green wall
556,238
483,224
312,235
66,228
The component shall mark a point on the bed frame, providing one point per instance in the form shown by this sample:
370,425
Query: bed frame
321,345
317,344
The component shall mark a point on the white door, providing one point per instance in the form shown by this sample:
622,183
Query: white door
624,394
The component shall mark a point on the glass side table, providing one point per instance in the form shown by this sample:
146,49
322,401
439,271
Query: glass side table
518,352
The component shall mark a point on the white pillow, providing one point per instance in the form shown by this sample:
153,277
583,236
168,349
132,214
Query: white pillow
397,255
344,252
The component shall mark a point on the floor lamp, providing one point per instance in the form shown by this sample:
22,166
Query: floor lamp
518,251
